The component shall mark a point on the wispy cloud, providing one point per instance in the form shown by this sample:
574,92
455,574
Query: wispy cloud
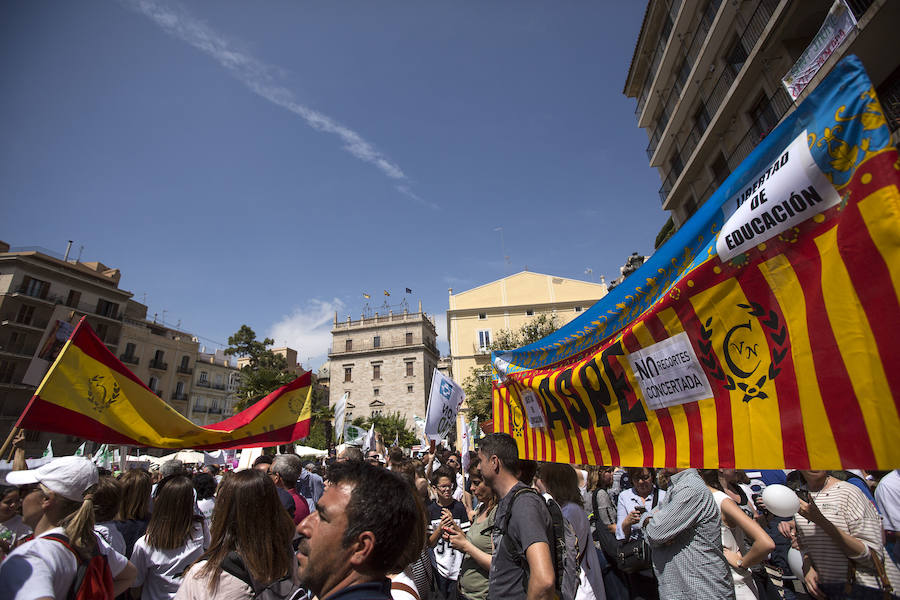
261,79
308,330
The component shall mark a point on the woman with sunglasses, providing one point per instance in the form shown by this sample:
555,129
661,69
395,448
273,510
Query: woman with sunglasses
59,506
477,543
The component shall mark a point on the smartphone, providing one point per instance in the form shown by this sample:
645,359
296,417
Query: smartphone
640,509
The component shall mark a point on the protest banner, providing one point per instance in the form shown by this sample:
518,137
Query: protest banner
443,403
90,394
763,334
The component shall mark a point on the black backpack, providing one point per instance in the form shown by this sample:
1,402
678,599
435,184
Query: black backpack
281,589
564,552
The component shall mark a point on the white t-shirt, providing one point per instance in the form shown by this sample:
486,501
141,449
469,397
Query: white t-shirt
110,534
402,594
161,571
44,568
887,496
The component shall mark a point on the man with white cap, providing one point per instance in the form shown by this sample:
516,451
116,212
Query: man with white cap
58,506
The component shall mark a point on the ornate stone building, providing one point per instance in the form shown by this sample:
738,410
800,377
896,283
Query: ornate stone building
384,363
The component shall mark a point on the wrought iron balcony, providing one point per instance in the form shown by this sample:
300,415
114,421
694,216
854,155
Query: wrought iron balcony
130,359
158,364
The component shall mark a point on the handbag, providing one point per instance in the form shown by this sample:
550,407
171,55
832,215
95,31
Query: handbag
852,589
629,556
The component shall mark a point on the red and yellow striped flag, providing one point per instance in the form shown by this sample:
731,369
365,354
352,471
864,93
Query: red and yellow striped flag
764,334
90,394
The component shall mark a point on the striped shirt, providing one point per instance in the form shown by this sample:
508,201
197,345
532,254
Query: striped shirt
849,510
685,536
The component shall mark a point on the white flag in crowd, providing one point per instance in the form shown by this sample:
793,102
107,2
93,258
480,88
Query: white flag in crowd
48,453
465,446
80,451
369,442
340,412
443,405
354,436
420,429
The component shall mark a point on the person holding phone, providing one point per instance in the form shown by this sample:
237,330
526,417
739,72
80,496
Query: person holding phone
443,515
632,504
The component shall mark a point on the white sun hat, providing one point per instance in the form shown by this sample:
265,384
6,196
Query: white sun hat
69,476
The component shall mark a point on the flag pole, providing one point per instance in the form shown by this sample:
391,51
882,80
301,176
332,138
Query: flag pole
12,434
16,429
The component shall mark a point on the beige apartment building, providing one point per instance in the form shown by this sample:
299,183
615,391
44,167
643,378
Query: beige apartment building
161,356
707,78
384,362
40,292
476,316
215,382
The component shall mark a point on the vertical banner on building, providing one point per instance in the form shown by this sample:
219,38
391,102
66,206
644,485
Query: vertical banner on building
834,30
443,405
764,334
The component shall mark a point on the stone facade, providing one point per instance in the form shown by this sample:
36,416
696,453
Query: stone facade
384,362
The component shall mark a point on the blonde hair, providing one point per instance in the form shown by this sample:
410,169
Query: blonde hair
77,520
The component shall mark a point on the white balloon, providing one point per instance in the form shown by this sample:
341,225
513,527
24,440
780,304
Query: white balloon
795,560
781,500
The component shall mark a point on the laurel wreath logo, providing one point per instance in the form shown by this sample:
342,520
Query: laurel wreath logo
98,394
777,332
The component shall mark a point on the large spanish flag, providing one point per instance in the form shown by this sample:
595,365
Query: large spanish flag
90,394
764,334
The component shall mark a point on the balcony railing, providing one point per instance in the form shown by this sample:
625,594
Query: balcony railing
218,386
706,19
780,103
31,293
658,52
22,349
185,370
182,397
215,410
158,364
33,323
203,383
750,36
129,359
359,346
200,409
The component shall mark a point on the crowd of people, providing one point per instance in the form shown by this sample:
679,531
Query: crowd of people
440,526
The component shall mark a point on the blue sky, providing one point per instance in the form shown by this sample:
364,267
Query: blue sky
268,163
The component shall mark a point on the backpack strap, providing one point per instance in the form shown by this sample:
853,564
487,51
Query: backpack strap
655,497
397,585
234,565
79,560
595,507
512,547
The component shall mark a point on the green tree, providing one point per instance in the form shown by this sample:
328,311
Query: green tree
391,425
264,372
477,384
321,422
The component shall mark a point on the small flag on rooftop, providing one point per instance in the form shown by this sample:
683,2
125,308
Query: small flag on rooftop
366,296
408,291
387,293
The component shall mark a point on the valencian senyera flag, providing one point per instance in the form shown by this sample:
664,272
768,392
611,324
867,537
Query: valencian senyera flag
764,334
90,394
